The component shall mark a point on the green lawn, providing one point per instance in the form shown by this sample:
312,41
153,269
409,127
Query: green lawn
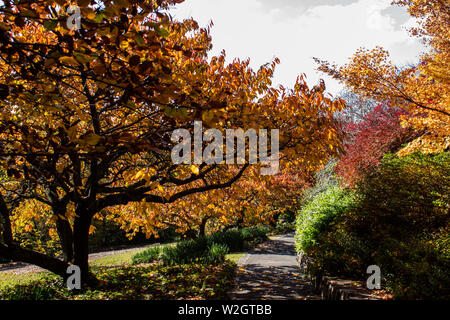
9,278
117,259
235,256
122,258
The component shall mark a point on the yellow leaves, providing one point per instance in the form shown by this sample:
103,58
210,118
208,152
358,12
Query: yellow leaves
139,40
194,169
147,175
91,139
427,143
207,116
82,58
139,175
124,44
421,91
91,15
5,26
98,67
157,72
92,229
69,61
52,232
88,13
72,133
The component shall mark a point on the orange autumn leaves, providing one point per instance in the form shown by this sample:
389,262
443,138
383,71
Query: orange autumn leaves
88,114
254,199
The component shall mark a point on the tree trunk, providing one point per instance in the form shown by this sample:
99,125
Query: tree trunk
59,208
64,232
65,238
201,231
81,247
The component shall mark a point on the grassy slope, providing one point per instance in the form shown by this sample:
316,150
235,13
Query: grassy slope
10,278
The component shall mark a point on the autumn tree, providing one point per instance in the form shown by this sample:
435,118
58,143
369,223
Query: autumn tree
367,141
87,114
252,200
421,90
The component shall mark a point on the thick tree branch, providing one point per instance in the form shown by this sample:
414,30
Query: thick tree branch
17,253
138,195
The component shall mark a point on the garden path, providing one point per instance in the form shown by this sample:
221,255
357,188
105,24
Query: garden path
271,272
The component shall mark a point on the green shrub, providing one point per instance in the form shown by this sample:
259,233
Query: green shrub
171,256
155,282
254,235
233,239
283,228
325,179
216,254
285,223
403,217
319,214
206,249
27,292
185,252
399,222
147,256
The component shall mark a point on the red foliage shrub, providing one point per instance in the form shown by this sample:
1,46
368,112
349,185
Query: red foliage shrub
368,140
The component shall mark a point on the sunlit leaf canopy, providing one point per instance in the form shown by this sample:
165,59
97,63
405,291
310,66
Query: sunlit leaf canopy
252,200
103,100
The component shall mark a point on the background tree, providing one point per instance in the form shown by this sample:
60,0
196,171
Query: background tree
252,200
367,141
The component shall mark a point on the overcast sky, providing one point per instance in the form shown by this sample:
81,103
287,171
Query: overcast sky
297,30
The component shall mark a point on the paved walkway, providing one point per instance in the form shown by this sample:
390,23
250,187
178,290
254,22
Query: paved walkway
271,272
